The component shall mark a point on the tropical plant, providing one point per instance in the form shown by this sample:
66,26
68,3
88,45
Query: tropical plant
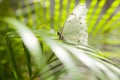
30,49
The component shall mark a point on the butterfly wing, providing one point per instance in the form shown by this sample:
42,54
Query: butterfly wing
75,28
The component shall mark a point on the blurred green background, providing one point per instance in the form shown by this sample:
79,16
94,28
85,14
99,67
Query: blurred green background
30,49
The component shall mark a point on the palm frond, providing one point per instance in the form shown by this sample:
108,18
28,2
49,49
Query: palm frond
28,36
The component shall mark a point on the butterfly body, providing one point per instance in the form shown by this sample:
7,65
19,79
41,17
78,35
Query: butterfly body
75,29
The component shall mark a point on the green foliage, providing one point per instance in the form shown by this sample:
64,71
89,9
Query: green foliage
30,49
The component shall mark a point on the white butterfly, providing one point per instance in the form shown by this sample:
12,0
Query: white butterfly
75,29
